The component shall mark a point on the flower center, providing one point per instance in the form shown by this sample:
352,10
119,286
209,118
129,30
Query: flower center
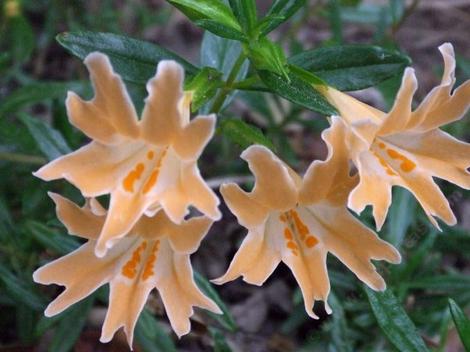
136,263
138,172
385,152
296,232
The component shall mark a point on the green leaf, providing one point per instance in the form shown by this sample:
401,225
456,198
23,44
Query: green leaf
243,134
204,86
151,336
220,344
25,320
245,12
51,239
21,35
214,10
71,325
401,216
340,334
226,319
442,283
297,91
48,139
462,323
136,61
36,93
221,54
221,30
394,321
352,67
279,12
20,291
267,55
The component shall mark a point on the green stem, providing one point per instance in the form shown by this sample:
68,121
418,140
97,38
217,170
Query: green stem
22,158
219,100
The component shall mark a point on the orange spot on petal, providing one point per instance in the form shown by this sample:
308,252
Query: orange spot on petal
381,145
311,241
292,245
132,177
150,155
288,234
148,270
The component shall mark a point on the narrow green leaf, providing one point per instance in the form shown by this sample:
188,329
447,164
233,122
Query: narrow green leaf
52,239
340,334
221,30
214,10
21,43
243,134
220,344
401,216
25,320
48,139
20,291
204,86
267,55
221,54
297,91
279,12
136,61
245,12
352,67
442,283
71,325
394,321
36,93
226,319
151,336
462,323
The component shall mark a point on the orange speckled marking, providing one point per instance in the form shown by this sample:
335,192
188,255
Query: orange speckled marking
311,241
150,155
153,178
148,270
381,145
292,245
288,234
295,225
129,270
385,165
132,177
406,164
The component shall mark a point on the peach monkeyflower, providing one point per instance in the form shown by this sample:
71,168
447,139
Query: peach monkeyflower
298,221
406,148
155,254
146,164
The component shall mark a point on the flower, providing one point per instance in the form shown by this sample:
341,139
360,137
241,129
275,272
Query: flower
406,148
155,254
299,221
146,164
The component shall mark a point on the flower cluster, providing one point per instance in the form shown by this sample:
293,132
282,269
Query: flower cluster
149,169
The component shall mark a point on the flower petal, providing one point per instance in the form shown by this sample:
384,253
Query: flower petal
111,113
124,211
249,213
256,259
439,153
126,302
194,137
178,290
190,190
374,188
94,169
399,116
161,118
353,243
81,272
274,186
329,179
78,221
440,107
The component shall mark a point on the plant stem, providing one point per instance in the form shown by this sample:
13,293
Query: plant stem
22,158
219,100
